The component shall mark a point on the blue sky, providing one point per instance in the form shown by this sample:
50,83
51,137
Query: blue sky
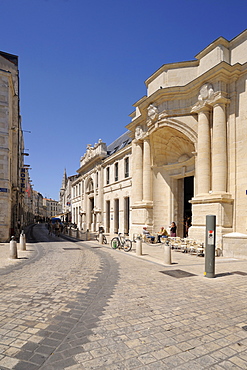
83,64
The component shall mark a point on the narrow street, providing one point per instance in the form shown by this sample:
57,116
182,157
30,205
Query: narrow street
78,305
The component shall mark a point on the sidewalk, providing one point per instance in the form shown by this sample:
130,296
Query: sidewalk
185,262
5,261
154,254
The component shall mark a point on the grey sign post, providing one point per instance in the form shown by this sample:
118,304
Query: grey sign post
210,246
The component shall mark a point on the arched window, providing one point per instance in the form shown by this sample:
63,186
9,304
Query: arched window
90,186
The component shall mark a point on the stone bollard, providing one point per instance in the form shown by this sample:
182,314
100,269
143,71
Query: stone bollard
22,241
100,238
167,254
138,246
87,234
13,248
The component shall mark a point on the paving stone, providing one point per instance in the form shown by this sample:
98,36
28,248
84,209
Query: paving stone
26,366
102,309
24,355
45,350
59,364
8,362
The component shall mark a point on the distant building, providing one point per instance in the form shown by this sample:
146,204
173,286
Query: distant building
52,208
65,197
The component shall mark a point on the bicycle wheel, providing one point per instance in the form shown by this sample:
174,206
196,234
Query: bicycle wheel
115,243
127,245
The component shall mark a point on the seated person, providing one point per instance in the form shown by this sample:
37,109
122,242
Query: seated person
146,233
161,233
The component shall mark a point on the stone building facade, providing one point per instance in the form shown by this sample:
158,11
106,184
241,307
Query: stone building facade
65,197
187,156
189,140
101,191
46,208
11,149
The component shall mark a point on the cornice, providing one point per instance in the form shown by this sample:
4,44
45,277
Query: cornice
222,71
219,41
165,67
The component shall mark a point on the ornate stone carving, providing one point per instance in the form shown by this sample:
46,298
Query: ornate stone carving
208,97
162,115
152,114
99,150
206,92
138,133
205,97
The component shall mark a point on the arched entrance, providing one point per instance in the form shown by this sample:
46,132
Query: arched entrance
91,216
173,178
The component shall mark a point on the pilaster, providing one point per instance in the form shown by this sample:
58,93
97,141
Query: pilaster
147,197
219,148
203,152
137,172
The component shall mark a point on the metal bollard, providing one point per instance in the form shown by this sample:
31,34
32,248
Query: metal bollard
13,248
100,238
210,246
167,255
138,246
22,241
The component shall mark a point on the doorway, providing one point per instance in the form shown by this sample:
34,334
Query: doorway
188,195
116,216
91,213
108,210
126,215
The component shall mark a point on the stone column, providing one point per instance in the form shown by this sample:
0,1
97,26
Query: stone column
203,152
219,156
100,190
137,172
146,171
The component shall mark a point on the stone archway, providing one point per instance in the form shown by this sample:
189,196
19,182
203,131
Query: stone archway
90,214
172,161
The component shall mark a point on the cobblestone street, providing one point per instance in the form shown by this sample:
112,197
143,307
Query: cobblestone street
79,305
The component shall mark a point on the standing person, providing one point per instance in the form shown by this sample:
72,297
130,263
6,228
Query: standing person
173,229
187,226
49,228
57,228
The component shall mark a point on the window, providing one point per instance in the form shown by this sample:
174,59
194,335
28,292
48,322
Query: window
116,171
108,175
97,180
90,185
126,167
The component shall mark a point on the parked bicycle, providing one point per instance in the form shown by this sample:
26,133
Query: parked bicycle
120,242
